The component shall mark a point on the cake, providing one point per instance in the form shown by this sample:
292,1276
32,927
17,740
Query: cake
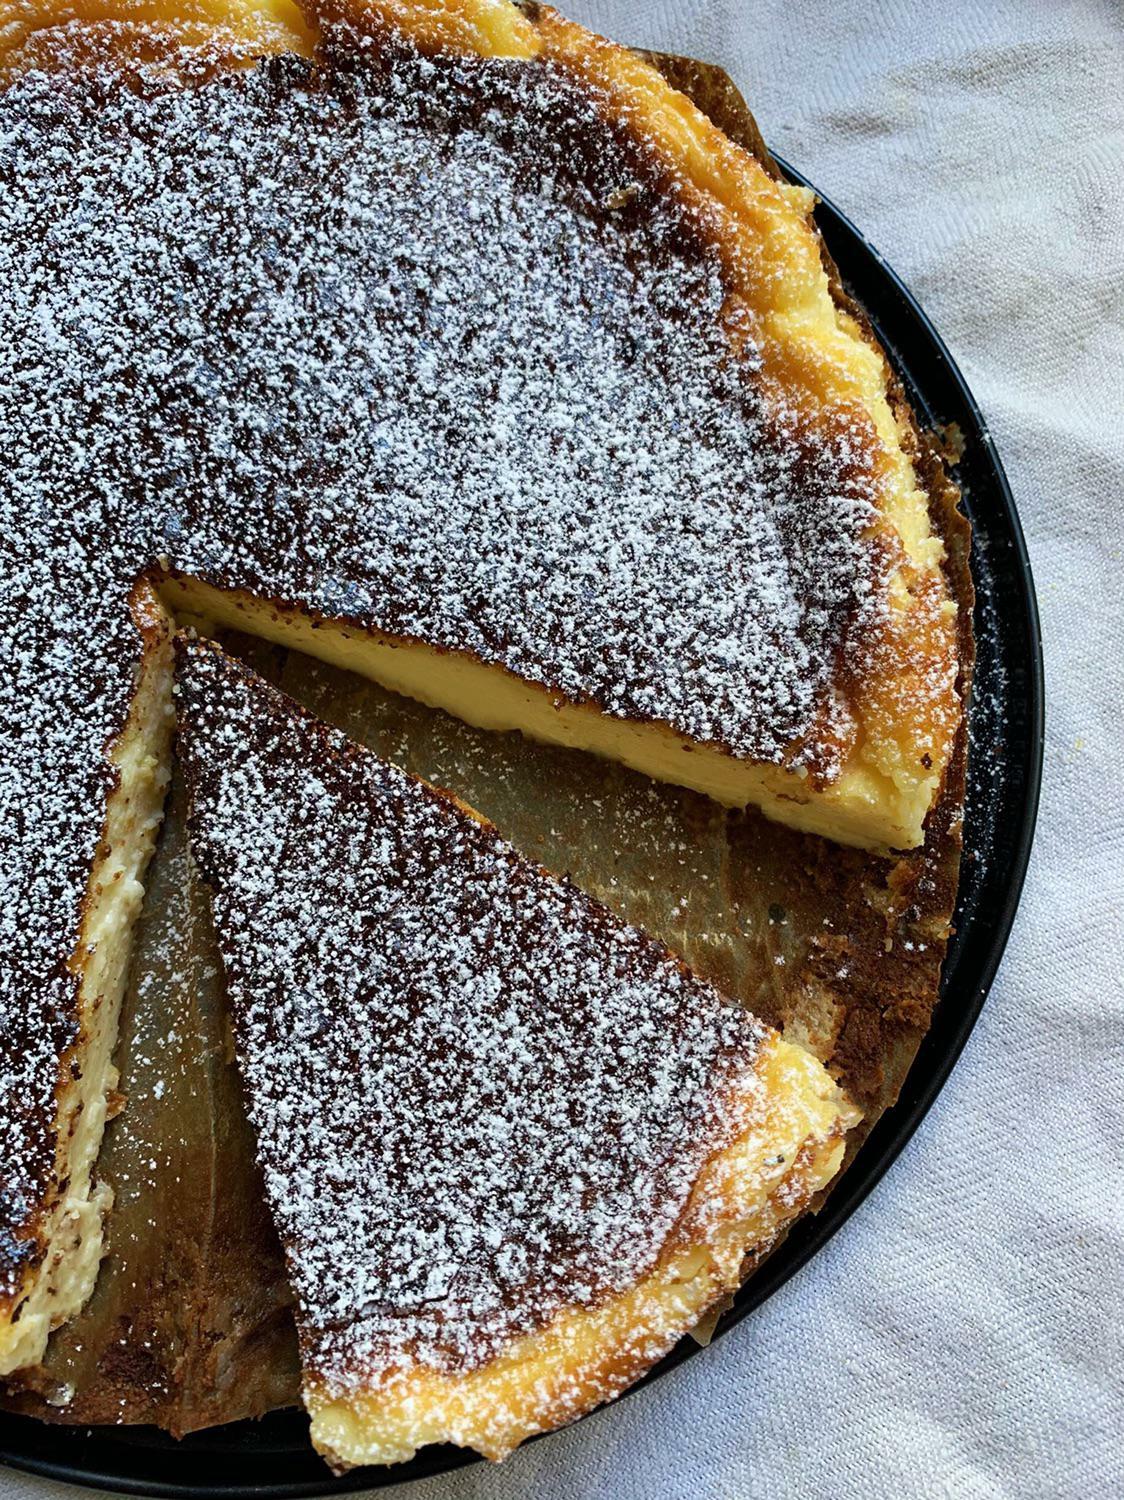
467,354
513,1147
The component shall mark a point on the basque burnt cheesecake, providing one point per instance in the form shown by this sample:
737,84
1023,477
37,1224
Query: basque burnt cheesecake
450,344
513,1147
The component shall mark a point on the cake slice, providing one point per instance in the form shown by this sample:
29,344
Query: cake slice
513,1147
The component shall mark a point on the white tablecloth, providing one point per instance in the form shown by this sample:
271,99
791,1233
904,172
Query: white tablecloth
964,1334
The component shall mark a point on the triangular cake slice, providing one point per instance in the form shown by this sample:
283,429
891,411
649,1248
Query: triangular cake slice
513,1147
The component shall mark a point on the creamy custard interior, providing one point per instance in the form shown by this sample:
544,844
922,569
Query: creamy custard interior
864,807
72,1233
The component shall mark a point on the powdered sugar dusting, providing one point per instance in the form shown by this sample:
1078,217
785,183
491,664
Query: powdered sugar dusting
479,1097
421,344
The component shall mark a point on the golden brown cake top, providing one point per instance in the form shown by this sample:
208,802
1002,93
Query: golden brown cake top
479,1097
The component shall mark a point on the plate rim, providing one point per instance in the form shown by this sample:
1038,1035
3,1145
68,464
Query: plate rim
927,1075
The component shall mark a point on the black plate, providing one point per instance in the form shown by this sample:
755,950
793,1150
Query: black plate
273,1456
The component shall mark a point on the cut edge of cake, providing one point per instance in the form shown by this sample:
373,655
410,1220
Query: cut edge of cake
66,1232
861,808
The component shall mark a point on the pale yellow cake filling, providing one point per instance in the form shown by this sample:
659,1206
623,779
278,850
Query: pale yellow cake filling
862,807
63,1280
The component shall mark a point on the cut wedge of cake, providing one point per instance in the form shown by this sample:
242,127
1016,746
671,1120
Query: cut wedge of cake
513,1147
451,344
